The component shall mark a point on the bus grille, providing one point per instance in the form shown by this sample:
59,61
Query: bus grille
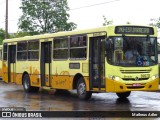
134,71
133,79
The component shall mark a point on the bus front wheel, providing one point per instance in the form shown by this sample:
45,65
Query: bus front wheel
27,86
123,94
81,90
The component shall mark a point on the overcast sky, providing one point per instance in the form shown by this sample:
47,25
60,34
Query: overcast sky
120,11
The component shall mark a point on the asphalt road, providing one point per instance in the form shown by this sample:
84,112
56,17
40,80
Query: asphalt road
12,95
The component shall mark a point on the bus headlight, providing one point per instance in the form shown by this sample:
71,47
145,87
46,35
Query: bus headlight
155,76
117,78
114,78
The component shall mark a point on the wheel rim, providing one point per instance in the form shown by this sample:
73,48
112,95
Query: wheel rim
82,89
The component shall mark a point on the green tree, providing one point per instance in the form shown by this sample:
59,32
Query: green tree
155,22
107,22
2,35
20,34
45,16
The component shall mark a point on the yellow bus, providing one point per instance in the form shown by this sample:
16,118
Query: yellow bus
118,59
158,46
1,61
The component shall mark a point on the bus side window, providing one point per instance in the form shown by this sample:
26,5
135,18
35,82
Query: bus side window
60,48
22,51
78,47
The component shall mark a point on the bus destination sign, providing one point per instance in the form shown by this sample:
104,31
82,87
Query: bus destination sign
134,30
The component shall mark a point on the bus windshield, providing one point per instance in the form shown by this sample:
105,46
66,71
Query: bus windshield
131,51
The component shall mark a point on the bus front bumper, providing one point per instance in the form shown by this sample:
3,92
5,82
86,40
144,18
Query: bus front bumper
116,86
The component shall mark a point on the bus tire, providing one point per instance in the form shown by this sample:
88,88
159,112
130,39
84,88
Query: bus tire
27,86
123,95
81,90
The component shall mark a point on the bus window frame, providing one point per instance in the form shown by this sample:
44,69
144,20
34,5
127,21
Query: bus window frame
81,47
67,48
5,52
37,50
22,51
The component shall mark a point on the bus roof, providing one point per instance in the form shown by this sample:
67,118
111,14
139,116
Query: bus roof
69,33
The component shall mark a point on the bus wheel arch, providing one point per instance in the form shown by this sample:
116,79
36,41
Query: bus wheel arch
75,80
27,85
78,81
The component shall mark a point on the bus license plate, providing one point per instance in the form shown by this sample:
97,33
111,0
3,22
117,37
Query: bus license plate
136,84
145,75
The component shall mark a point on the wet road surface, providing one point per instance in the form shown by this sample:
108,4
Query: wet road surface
12,95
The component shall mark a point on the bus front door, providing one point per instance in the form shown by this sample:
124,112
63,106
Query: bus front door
96,62
45,64
12,63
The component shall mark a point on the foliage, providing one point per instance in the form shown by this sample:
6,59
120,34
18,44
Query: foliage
45,16
14,35
107,22
21,34
155,22
2,35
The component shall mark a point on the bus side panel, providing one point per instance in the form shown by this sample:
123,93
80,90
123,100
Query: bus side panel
21,67
19,78
62,82
87,83
63,76
1,72
34,71
5,71
66,82
31,68
35,80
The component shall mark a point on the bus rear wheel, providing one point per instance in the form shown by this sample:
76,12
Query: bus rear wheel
27,86
81,90
123,95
